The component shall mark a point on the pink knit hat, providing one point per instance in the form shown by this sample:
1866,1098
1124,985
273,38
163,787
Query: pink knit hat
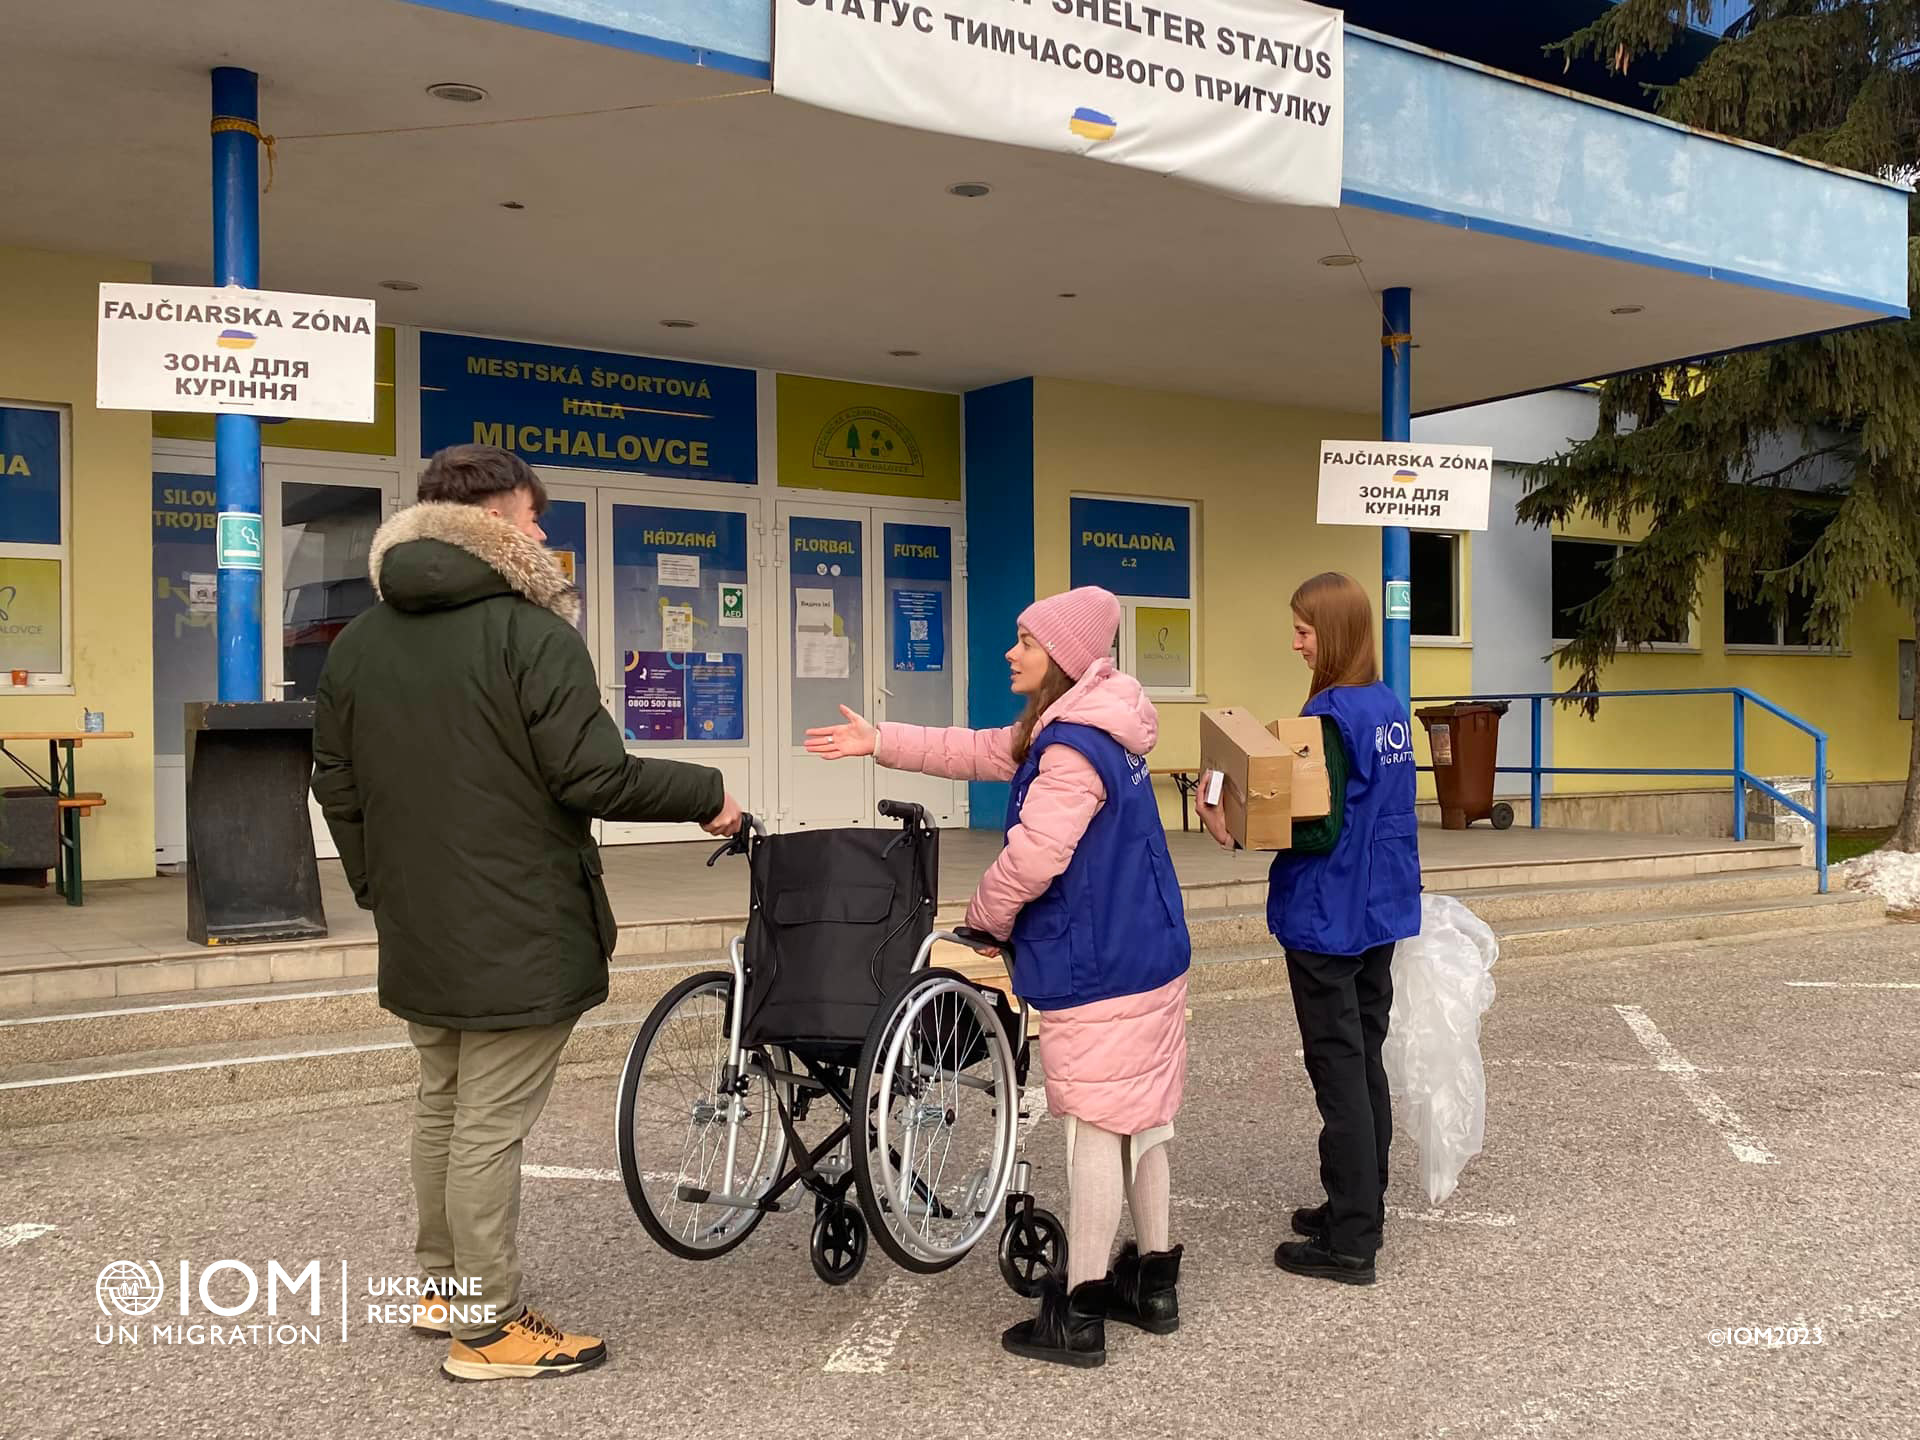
1076,628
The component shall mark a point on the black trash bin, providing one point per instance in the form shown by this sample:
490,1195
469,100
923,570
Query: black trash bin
251,873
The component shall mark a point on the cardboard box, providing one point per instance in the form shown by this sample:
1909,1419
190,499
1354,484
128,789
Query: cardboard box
1258,766
1304,737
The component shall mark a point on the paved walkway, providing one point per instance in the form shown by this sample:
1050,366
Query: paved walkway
146,919
1679,1145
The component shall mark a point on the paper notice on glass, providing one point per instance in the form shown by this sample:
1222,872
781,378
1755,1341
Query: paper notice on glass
823,657
813,610
676,622
679,572
203,594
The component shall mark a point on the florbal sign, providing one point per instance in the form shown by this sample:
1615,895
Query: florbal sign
235,352
1421,487
1244,96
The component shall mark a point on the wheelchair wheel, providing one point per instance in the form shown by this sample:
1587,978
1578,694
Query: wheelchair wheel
673,1122
939,1100
839,1245
1032,1248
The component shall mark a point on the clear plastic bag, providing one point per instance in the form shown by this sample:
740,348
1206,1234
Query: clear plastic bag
1442,985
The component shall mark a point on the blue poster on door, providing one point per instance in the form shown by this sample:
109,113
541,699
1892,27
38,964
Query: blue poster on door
716,697
656,707
919,630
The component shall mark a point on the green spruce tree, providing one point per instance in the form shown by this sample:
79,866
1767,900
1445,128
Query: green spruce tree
1764,449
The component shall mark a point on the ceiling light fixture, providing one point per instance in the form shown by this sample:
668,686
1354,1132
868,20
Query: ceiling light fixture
680,324
400,285
1628,309
970,190
1339,262
511,205
1069,295
903,354
458,93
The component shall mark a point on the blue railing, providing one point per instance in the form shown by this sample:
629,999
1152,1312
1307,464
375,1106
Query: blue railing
1738,773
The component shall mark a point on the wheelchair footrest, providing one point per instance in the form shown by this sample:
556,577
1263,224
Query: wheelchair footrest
694,1195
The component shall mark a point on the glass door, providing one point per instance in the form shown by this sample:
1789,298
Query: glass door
676,652
922,646
320,524
824,626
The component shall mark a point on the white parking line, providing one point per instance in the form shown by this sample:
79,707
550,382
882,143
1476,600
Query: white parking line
12,1235
567,1172
870,1343
1854,984
1714,1110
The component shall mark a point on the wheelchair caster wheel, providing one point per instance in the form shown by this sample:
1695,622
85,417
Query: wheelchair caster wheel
1502,816
1032,1248
839,1245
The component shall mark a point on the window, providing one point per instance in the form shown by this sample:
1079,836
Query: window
1435,573
1144,552
1752,622
35,584
1581,570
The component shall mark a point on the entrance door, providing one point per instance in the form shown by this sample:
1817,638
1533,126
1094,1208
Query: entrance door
869,618
321,524
674,643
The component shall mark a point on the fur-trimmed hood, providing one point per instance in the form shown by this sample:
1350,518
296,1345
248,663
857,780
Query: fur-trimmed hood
411,575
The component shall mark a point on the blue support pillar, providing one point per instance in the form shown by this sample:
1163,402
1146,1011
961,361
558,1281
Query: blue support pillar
236,438
1396,556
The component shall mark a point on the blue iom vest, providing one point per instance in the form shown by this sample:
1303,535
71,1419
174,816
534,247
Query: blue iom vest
1367,891
1113,923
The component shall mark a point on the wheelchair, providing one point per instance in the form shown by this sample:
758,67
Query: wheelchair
830,1005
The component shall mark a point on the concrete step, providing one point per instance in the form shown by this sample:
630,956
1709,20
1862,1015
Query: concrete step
99,1084
85,980
1636,928
1498,905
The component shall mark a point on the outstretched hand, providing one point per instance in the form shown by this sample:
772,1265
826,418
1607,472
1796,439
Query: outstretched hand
841,742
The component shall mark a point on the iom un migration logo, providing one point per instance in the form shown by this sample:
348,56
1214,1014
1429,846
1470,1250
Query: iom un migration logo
868,440
130,1289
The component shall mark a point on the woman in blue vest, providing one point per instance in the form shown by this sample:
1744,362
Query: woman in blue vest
1085,890
1338,901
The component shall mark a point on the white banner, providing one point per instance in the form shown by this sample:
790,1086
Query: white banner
236,352
1423,487
1239,95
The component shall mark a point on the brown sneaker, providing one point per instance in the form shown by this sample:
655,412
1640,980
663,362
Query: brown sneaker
431,1316
529,1347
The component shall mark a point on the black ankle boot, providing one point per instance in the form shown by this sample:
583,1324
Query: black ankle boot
1069,1330
1142,1289
1311,1221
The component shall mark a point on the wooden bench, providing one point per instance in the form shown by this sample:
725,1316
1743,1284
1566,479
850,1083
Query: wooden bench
74,808
1186,781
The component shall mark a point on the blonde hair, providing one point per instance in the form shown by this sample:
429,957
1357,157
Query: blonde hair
1342,620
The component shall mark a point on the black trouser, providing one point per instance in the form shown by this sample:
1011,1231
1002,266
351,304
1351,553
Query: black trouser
1342,1002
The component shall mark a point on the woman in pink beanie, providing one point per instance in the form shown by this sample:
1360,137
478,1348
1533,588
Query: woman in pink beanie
1086,893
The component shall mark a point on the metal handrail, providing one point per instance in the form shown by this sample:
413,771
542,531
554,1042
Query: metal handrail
1737,772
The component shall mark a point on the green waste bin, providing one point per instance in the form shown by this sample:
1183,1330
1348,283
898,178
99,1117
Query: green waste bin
1465,741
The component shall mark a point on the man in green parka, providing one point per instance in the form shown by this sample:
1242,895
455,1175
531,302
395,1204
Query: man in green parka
461,754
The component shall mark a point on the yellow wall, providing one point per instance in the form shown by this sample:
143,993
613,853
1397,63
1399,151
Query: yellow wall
1254,471
46,354
1853,695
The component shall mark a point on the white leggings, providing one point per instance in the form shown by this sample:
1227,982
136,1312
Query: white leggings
1104,1168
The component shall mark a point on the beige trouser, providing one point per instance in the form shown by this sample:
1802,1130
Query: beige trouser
480,1092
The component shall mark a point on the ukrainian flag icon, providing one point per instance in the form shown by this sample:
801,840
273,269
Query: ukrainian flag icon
1092,125
235,340
1405,477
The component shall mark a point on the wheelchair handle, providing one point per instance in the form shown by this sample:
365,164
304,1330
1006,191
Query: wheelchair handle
741,842
905,812
980,940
